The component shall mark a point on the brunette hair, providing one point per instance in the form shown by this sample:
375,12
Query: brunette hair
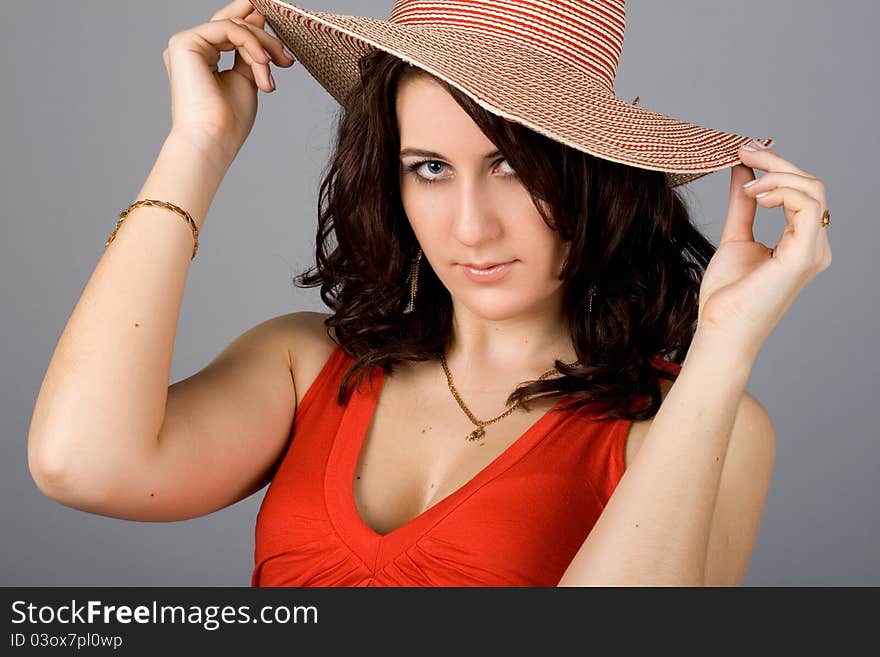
631,236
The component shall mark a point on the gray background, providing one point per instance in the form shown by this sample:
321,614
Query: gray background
86,108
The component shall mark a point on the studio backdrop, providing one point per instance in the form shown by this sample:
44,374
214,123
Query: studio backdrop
86,108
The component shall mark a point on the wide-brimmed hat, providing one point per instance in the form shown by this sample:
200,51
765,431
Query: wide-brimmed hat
548,65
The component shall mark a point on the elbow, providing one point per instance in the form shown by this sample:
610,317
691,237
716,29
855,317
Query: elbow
60,482
97,488
48,472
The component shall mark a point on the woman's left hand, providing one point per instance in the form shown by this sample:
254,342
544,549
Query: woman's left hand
747,286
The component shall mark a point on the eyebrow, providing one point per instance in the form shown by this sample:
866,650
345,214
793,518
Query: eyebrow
425,153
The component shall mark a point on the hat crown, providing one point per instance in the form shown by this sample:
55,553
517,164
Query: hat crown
586,33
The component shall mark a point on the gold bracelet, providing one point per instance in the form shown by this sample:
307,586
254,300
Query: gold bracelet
163,204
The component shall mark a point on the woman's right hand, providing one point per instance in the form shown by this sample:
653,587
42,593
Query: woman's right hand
215,109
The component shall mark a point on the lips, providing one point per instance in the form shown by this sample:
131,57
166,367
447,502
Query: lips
488,274
485,265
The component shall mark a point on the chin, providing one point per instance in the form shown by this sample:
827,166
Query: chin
493,306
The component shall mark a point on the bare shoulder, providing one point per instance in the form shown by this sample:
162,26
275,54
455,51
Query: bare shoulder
309,346
750,414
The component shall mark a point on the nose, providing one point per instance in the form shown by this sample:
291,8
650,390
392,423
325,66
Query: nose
476,220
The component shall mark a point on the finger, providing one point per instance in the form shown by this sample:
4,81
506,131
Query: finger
739,225
237,9
240,66
256,72
261,71
802,214
257,19
216,37
813,187
809,185
246,68
272,45
227,35
788,175
768,159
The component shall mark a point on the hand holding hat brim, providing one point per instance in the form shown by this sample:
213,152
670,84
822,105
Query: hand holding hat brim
748,286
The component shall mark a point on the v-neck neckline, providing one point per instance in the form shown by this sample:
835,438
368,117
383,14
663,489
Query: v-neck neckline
377,549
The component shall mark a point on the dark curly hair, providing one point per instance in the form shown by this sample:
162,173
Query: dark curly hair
631,236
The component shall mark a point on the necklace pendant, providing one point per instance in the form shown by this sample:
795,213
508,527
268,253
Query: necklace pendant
477,433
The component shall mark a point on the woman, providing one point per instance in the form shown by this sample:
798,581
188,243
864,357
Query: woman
631,453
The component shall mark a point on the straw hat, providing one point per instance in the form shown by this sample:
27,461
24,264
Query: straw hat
546,64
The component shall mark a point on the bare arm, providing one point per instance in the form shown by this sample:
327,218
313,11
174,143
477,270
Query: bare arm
108,435
102,400
655,528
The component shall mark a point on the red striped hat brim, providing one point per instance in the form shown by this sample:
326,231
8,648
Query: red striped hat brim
536,87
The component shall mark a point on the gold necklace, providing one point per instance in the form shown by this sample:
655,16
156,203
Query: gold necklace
479,432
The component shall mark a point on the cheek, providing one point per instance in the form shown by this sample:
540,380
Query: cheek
558,253
429,233
423,222
421,206
544,245
550,256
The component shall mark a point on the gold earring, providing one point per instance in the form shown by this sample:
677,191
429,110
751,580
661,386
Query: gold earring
592,294
414,283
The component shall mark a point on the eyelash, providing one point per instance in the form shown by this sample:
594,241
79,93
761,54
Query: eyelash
412,168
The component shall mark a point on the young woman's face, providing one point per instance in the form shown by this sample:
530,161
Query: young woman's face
466,205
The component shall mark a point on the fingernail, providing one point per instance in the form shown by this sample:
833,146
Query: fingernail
272,80
289,54
750,183
748,147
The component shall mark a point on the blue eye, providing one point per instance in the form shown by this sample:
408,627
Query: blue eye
415,166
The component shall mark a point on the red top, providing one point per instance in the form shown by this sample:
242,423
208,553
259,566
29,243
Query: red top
518,522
